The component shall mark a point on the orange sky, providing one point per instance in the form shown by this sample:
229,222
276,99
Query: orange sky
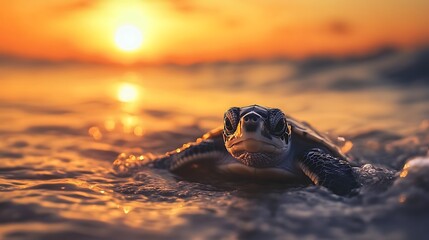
189,31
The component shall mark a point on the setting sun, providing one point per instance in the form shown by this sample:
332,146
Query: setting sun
128,37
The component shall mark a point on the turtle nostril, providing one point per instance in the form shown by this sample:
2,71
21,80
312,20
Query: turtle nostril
251,118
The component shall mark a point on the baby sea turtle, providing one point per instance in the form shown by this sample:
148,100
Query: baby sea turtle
263,143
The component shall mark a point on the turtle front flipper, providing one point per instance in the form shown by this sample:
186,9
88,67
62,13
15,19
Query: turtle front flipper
205,152
328,171
184,160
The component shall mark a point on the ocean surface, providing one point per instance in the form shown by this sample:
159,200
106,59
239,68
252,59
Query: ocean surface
63,125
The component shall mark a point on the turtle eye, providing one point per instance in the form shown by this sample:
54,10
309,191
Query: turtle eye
280,127
277,122
228,125
231,120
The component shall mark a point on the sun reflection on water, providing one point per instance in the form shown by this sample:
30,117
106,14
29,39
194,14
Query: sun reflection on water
128,123
126,119
128,92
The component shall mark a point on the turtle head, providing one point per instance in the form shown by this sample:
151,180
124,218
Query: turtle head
256,136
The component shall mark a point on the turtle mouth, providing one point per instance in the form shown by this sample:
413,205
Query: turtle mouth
254,146
258,160
256,153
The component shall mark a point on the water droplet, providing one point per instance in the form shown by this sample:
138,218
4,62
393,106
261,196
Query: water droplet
404,173
127,209
402,198
95,133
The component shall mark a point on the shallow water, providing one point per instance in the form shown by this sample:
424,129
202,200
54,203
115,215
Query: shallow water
62,127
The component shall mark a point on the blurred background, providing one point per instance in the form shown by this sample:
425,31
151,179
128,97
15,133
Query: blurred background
335,64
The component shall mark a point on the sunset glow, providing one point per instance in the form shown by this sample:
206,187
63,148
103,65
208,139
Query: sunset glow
128,37
186,32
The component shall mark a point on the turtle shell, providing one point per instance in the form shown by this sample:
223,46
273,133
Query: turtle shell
307,132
